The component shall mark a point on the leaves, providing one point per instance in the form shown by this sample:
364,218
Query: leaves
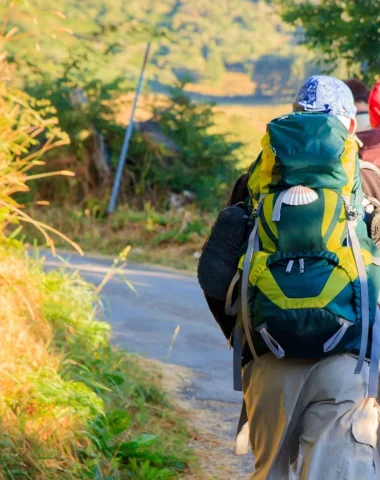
342,30
183,154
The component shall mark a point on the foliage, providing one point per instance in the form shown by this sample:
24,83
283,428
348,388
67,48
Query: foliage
23,119
280,76
47,34
347,30
79,97
132,401
193,38
87,109
170,238
204,162
28,130
72,407
198,160
217,34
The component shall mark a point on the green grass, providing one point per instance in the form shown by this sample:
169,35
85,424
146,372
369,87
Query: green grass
172,239
72,406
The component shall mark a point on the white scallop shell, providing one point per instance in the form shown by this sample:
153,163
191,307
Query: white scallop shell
300,195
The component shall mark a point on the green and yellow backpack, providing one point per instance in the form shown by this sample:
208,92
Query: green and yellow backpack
310,277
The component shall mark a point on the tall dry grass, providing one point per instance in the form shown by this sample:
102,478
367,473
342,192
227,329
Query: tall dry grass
42,415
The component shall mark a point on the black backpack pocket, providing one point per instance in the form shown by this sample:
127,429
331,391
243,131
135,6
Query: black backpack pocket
222,251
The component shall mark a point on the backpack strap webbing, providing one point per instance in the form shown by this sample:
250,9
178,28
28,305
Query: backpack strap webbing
237,334
277,207
253,246
364,292
232,309
237,356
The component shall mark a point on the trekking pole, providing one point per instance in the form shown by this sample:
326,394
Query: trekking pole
127,137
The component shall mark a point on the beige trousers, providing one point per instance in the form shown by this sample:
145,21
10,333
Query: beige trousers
318,408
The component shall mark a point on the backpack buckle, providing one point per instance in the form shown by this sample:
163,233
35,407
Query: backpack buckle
352,213
256,213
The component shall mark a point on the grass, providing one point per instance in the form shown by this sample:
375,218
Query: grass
172,239
72,406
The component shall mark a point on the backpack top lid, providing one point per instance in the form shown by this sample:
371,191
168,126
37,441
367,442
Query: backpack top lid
310,149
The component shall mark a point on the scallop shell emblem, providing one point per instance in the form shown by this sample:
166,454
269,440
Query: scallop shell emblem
300,195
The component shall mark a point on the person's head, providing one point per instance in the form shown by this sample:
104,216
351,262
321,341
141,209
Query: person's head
324,94
360,93
374,106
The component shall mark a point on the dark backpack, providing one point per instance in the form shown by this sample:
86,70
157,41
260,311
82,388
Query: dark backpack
222,251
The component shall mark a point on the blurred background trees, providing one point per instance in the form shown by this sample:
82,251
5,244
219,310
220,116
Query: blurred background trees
342,30
85,58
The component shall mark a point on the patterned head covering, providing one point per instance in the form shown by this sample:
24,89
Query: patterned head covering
326,95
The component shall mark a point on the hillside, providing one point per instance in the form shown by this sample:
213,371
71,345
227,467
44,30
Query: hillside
197,40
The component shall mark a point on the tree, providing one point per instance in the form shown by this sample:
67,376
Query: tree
345,30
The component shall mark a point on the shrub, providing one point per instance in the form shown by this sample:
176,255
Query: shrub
202,162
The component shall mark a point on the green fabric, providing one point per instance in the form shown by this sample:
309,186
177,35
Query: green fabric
303,332
296,232
310,283
308,148
334,221
308,151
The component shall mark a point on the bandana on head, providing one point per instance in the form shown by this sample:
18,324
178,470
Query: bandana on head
326,95
374,106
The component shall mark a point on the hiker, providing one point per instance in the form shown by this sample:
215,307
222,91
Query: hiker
368,117
368,105
304,294
360,93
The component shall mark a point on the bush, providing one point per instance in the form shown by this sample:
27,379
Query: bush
178,152
194,159
86,111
